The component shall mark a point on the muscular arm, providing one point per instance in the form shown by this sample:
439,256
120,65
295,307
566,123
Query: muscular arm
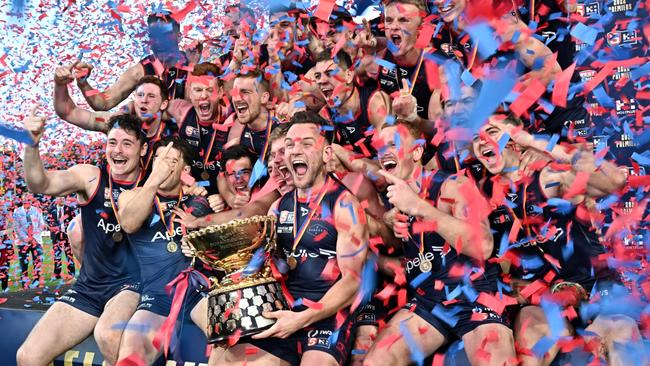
351,249
135,206
80,179
529,49
116,92
68,111
460,219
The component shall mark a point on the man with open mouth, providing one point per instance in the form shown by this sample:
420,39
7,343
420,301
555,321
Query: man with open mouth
556,244
310,232
443,225
150,100
107,290
201,123
402,22
354,110
237,162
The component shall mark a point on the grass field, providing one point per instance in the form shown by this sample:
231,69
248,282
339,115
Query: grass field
48,268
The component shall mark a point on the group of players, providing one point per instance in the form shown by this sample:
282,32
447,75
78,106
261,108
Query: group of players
398,230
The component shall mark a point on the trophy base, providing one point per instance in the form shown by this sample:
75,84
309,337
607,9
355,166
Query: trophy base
239,308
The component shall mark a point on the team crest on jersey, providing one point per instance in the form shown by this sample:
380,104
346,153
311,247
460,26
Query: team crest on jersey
191,131
286,217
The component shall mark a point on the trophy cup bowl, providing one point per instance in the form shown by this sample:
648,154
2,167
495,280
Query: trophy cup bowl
237,301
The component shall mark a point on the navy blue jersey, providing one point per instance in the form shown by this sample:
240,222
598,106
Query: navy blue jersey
316,248
390,81
174,77
545,230
105,262
159,261
351,130
199,136
255,140
431,247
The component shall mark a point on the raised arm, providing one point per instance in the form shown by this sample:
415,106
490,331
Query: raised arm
115,94
80,179
66,108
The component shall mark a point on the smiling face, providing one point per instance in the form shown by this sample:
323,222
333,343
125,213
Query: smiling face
450,10
278,167
148,102
334,82
399,154
248,97
486,146
401,23
123,152
306,153
204,95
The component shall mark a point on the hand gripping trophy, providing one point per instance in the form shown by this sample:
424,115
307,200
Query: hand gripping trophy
242,250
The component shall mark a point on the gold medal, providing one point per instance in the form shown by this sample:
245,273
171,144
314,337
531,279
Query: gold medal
292,262
425,266
205,175
117,236
172,247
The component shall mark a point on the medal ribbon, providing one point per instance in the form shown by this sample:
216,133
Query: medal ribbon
303,228
156,138
162,214
206,153
268,134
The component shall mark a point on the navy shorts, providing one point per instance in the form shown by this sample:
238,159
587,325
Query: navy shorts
160,303
92,299
321,336
372,313
455,320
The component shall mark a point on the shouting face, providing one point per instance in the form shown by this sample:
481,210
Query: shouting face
401,24
398,151
248,99
148,102
123,152
306,152
204,95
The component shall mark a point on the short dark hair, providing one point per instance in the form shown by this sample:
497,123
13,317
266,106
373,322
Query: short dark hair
187,152
151,79
207,69
278,132
237,152
305,117
256,74
163,18
242,9
130,123
341,58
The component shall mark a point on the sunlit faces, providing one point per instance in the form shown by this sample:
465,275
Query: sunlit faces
401,24
238,174
123,152
334,82
486,146
148,101
306,152
278,167
176,163
204,95
282,33
399,152
449,10
248,97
